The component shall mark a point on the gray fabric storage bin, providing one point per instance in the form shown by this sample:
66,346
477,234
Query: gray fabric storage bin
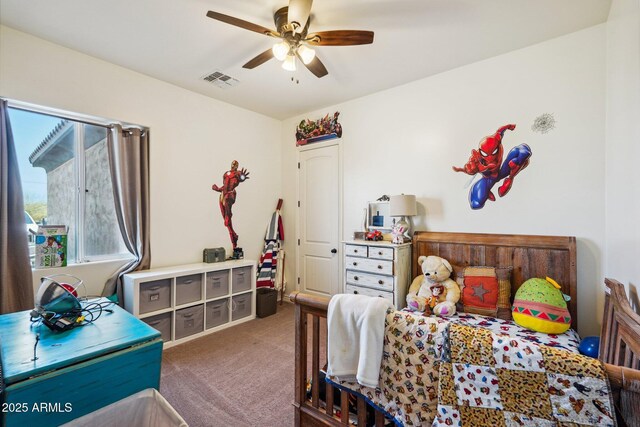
188,288
146,408
189,321
241,306
241,279
155,295
217,313
217,283
162,323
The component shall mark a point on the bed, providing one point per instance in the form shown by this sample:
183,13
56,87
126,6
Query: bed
319,403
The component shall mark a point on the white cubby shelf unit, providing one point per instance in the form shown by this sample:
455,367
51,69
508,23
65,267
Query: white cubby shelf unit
184,302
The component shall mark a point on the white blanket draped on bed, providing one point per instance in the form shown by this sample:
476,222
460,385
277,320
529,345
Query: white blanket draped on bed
356,331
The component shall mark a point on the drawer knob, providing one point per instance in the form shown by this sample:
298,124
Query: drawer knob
380,267
187,282
355,292
355,263
380,282
356,278
379,253
355,251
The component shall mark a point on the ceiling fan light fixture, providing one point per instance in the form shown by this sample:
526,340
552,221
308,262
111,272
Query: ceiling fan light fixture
292,30
280,50
306,54
289,63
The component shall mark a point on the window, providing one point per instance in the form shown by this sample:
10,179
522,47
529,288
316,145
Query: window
64,168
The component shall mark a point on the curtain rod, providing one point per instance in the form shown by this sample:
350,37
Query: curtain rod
63,114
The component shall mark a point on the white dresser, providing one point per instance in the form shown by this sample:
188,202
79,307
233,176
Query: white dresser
378,269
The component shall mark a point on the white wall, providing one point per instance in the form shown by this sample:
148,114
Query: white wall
193,141
405,140
623,145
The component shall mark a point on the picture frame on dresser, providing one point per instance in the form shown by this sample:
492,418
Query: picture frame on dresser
188,301
378,268
378,216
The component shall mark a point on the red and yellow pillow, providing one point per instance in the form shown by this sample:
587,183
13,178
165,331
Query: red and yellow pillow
486,290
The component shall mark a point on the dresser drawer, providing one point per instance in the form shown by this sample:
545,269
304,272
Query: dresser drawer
369,292
155,295
241,279
217,283
217,313
371,280
381,253
241,305
161,323
369,265
189,321
188,288
355,250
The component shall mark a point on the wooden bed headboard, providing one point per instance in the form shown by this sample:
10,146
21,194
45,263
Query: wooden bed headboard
530,256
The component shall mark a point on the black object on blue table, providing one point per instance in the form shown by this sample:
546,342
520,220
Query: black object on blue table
590,346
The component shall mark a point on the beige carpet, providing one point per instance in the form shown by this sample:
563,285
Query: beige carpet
240,376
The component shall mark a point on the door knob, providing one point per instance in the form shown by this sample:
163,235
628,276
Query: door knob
334,251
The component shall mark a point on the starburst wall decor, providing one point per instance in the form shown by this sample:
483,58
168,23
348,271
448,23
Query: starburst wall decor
544,123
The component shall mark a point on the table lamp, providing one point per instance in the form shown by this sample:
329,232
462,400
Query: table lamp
403,206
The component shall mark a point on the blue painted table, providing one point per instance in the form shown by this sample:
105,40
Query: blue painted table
77,371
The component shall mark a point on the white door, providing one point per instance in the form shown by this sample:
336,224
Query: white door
319,219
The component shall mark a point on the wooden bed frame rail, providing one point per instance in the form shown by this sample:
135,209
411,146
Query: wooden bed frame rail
619,350
310,311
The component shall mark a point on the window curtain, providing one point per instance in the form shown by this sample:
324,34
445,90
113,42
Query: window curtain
129,166
16,280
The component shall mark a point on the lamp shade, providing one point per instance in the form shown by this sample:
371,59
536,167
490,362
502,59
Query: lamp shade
403,205
289,63
280,50
306,54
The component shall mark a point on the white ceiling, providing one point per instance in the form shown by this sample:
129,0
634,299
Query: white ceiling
174,41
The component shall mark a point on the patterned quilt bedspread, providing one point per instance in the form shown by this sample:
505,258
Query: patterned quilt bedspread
414,347
490,380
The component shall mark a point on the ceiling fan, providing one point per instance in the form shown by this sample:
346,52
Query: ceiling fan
292,24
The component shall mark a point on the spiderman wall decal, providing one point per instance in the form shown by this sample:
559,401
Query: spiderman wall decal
487,161
230,180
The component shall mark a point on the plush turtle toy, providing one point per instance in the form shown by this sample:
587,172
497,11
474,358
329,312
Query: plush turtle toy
539,305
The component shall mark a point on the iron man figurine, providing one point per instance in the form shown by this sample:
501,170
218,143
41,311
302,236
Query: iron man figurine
230,180
487,161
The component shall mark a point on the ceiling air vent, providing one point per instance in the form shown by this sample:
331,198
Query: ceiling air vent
221,80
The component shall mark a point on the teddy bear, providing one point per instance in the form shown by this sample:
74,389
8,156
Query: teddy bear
434,291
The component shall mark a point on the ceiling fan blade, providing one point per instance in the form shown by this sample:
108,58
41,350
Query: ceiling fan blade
340,38
241,23
315,66
298,14
259,60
